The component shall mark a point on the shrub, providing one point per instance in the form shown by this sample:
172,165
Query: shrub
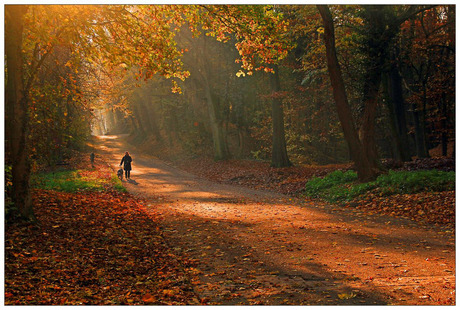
343,186
316,186
408,182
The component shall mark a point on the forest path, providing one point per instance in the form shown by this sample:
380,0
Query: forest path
245,246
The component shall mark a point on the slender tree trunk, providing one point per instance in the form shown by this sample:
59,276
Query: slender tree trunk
444,129
138,118
396,106
370,109
420,125
398,147
145,116
279,152
110,119
134,125
358,155
221,150
17,122
379,35
420,139
121,121
451,31
154,121
240,142
220,147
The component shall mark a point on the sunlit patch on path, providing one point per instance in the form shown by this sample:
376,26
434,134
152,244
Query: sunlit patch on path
242,246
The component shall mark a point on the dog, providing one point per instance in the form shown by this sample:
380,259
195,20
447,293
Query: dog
120,174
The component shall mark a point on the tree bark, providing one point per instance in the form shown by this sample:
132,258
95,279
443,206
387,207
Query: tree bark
138,118
399,148
396,106
363,166
17,125
381,28
444,128
153,121
371,92
221,151
420,137
279,152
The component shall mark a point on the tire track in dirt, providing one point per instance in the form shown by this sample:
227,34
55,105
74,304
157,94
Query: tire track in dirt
244,246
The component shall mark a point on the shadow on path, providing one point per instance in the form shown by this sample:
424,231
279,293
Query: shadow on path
244,246
132,181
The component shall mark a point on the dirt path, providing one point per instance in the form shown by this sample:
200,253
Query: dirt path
244,246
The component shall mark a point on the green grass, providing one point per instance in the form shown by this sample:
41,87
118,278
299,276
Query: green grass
73,181
344,186
117,184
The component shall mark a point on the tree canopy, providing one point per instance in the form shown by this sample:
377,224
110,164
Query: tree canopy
297,84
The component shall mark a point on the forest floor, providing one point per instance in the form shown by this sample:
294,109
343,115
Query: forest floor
225,233
91,247
249,244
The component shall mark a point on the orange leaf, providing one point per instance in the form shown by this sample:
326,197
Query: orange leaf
148,298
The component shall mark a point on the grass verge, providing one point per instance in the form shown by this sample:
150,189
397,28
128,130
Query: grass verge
77,180
343,186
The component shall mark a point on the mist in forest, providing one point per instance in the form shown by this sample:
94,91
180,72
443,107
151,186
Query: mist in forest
224,113
284,84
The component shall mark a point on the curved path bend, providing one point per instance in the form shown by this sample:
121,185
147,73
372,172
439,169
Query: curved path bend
256,247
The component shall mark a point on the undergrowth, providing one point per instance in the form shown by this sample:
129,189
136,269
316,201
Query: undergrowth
344,186
75,181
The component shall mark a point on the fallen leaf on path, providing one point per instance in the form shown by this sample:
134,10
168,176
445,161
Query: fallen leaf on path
347,295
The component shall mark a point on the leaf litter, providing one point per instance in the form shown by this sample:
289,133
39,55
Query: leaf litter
104,248
425,208
92,248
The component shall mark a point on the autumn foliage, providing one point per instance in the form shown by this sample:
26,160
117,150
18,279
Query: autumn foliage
92,248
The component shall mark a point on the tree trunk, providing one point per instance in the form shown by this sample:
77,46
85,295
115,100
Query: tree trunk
420,138
396,106
17,125
110,119
121,122
398,148
134,126
279,152
240,142
378,35
358,155
220,147
154,121
371,92
420,125
221,150
444,127
138,119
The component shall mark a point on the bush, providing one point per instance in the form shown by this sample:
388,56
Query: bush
316,186
409,182
343,186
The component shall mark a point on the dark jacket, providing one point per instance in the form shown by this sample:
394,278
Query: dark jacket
127,160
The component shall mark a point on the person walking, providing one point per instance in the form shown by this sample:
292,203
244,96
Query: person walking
127,165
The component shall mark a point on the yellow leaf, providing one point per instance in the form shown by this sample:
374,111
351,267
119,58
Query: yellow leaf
347,295
240,73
